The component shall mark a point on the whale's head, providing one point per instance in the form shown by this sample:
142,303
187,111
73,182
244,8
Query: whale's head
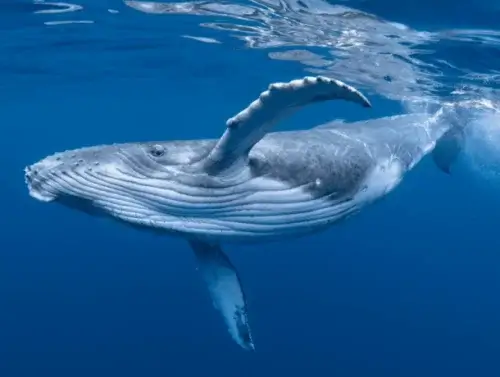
133,182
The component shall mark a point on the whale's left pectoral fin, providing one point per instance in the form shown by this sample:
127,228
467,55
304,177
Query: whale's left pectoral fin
448,149
225,290
280,100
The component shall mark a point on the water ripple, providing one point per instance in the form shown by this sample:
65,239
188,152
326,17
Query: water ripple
389,58
201,39
68,22
357,46
56,7
378,55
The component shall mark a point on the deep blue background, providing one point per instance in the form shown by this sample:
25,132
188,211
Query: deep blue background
408,288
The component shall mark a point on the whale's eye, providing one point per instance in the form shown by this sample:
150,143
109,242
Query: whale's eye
157,150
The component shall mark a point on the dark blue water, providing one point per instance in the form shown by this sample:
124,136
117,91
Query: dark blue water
410,287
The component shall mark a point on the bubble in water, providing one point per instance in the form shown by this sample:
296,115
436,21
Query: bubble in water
482,147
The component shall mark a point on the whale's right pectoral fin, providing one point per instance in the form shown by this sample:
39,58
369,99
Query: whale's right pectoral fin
249,126
225,290
448,149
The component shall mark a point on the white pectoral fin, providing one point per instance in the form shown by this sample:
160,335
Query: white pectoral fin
225,290
250,125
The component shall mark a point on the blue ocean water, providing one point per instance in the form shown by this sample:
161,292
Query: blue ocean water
408,288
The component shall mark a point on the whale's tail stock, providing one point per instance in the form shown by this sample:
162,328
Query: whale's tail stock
450,145
462,118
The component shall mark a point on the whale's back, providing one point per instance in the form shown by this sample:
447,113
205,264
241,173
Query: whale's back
339,155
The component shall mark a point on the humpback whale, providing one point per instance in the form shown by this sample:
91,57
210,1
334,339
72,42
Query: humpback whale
250,185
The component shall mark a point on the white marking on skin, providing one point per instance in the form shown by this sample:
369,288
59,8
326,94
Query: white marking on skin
385,176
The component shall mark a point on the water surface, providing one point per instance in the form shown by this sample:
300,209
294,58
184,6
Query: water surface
409,288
